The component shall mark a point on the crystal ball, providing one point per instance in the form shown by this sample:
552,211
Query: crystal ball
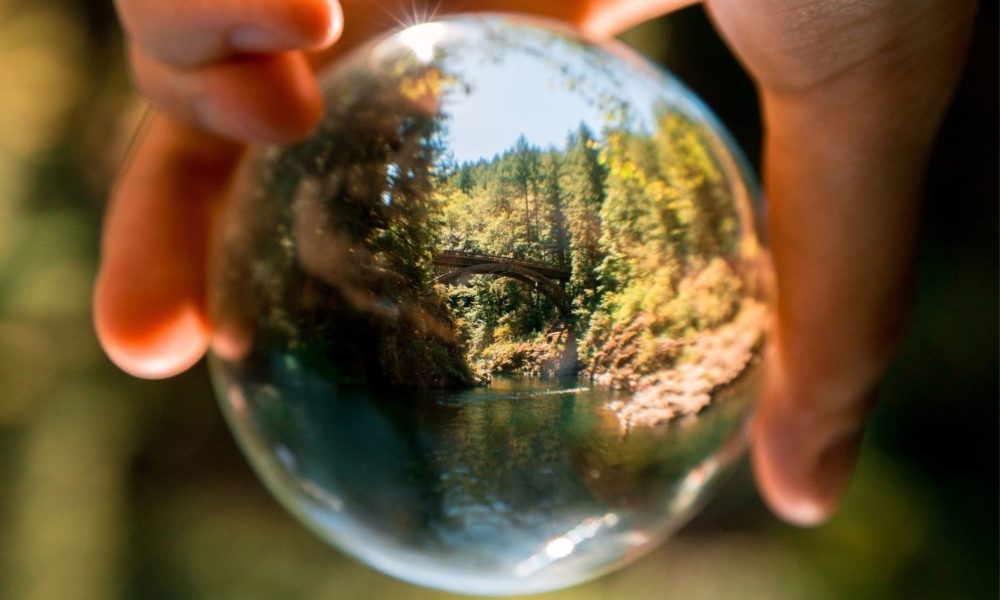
496,326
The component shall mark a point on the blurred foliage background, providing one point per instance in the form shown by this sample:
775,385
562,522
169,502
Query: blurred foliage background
116,488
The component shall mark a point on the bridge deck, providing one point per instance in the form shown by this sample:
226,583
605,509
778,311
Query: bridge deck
459,258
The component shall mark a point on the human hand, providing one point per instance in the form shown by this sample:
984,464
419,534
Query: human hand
852,95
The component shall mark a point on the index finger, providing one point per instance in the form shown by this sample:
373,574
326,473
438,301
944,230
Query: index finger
188,33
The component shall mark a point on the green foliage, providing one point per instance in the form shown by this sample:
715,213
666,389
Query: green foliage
639,219
582,181
358,223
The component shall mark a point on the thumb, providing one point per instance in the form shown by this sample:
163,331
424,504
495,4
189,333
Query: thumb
805,442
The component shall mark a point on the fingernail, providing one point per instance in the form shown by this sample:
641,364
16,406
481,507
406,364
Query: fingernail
261,38
256,38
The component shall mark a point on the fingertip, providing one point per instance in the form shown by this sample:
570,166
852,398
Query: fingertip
272,99
308,25
319,23
147,344
149,297
783,494
334,25
255,126
293,126
802,457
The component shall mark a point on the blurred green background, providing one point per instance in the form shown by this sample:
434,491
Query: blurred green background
112,487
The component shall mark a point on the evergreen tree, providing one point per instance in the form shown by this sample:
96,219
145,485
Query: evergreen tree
555,235
582,184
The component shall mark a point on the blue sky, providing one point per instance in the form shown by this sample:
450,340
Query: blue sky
519,97
525,94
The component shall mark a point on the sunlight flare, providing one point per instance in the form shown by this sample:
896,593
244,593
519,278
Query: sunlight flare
422,39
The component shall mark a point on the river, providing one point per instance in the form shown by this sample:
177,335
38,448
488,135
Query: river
455,484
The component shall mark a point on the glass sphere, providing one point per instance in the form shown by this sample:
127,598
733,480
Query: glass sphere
496,326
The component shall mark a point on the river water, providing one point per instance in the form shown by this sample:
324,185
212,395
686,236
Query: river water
529,478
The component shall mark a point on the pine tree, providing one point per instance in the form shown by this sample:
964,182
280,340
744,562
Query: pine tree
582,183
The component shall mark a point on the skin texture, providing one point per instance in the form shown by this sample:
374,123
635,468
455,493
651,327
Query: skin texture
852,93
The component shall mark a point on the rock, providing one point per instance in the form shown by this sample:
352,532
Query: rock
709,361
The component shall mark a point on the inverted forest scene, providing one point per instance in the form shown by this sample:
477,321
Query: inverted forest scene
423,243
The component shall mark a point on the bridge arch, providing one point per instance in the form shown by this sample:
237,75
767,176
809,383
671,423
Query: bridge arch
543,284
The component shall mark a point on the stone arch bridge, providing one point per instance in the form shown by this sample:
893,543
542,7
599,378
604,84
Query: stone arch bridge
458,266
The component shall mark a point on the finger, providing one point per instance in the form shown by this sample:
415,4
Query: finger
185,33
600,18
606,18
852,100
253,97
149,301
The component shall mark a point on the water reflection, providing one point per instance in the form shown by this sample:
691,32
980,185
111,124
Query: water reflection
528,477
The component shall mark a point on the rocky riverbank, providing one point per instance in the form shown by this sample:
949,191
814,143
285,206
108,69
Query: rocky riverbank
700,366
